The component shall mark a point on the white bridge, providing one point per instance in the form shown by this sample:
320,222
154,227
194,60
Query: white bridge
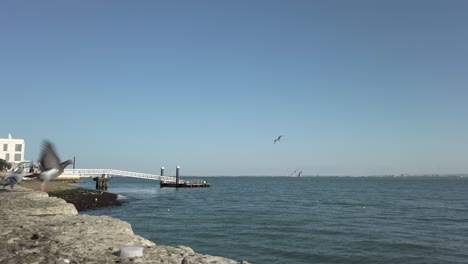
100,172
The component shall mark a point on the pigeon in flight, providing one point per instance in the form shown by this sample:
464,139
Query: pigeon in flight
50,163
278,139
13,178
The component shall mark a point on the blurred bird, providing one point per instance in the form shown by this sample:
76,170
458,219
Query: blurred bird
50,163
298,175
294,172
13,178
278,139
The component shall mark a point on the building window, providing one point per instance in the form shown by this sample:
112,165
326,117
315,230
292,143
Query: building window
18,147
7,156
5,147
17,157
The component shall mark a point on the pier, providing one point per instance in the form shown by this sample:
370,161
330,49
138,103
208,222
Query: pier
101,176
100,172
182,183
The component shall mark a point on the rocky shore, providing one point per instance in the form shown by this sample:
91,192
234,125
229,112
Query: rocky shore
36,228
82,199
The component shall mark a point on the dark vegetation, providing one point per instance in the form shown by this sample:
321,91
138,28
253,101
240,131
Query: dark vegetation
84,199
4,164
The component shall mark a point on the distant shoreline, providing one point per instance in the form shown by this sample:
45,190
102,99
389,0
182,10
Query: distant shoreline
458,175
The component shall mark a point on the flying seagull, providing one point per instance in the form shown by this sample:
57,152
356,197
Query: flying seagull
50,163
13,178
298,175
278,139
292,174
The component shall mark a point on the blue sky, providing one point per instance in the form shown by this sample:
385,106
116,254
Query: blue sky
355,87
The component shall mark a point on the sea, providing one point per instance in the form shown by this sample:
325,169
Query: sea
303,219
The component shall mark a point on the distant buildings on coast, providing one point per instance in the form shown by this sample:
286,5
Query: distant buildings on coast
12,150
426,175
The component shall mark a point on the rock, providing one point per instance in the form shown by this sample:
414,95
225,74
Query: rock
41,229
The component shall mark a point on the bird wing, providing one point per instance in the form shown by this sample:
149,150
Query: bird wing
49,158
5,180
20,169
66,163
17,177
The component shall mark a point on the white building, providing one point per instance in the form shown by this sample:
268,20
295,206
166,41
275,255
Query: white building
12,150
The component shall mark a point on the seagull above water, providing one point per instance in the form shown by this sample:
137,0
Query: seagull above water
50,163
294,172
278,139
298,175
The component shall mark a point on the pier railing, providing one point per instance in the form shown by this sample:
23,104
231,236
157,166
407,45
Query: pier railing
99,172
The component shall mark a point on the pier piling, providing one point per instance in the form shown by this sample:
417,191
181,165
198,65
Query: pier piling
177,176
101,182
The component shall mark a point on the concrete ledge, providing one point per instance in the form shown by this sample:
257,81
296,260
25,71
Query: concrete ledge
36,228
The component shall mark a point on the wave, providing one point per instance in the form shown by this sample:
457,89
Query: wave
122,198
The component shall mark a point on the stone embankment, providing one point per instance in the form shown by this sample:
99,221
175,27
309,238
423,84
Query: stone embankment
36,228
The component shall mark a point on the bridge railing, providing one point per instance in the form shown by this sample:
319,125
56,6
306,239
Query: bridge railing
99,172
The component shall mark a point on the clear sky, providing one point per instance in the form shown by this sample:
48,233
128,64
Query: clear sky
355,87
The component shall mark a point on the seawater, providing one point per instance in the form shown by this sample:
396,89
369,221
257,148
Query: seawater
303,219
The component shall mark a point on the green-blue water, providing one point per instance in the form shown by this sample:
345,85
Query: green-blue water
304,220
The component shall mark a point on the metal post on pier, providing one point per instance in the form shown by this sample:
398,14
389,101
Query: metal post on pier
177,176
162,171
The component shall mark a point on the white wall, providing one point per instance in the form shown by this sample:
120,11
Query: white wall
11,149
